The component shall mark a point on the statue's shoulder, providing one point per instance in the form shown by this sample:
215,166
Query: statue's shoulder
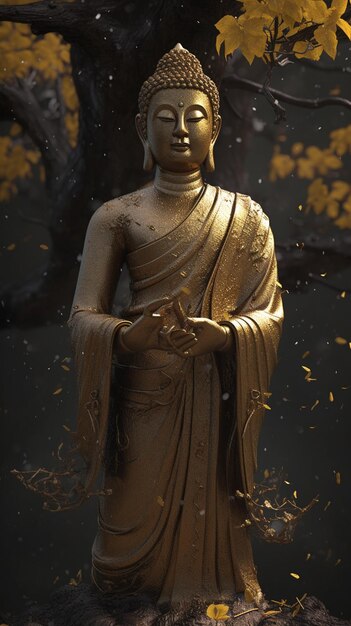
119,211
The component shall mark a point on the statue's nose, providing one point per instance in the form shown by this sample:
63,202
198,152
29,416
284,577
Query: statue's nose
180,129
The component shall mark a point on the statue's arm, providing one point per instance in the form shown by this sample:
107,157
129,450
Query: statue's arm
102,259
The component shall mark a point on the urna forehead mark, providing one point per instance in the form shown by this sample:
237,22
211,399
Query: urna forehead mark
180,104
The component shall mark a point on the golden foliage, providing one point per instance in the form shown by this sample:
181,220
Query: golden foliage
312,163
264,26
16,161
48,56
281,165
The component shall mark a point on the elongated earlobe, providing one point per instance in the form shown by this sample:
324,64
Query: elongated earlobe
149,162
209,161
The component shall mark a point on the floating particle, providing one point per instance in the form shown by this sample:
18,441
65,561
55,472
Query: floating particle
295,494
160,501
305,354
266,473
327,505
57,391
44,246
338,478
11,247
340,341
66,368
314,405
296,576
343,294
308,556
337,562
331,396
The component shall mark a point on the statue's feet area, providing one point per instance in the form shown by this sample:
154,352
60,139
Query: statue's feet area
84,606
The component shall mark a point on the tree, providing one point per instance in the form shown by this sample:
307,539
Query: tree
70,78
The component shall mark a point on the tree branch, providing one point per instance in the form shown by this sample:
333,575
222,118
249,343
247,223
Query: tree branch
236,82
19,101
45,16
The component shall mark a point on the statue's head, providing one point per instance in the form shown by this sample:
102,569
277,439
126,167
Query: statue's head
178,122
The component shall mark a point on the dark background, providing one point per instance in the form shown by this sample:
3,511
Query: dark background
41,550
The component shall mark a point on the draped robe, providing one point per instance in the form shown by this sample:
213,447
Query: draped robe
184,431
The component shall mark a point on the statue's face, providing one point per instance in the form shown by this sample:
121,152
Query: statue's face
179,128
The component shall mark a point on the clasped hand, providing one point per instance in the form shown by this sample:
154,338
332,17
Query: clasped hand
193,337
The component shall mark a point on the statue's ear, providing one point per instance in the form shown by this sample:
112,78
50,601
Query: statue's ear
209,161
149,162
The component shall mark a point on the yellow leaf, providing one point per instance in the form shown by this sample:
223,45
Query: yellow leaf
297,148
345,26
218,612
230,34
340,341
331,396
281,165
294,575
328,40
160,501
338,478
44,246
57,391
306,50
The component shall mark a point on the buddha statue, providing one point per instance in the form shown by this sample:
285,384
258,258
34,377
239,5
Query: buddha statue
172,391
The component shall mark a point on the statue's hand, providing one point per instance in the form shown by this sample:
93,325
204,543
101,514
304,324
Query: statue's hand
149,332
211,337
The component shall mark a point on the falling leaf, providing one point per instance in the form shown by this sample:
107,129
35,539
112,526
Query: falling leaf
343,294
337,562
271,612
160,501
11,246
297,576
66,368
218,612
44,246
308,556
331,396
314,405
295,494
327,505
57,391
340,341
266,473
305,354
338,478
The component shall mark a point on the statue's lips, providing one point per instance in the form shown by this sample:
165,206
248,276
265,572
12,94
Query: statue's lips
180,147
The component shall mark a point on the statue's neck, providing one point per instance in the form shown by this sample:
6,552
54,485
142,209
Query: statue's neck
178,183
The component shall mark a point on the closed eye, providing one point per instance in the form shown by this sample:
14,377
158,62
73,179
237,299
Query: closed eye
165,119
195,119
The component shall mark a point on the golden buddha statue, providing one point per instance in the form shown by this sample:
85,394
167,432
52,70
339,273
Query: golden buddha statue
187,364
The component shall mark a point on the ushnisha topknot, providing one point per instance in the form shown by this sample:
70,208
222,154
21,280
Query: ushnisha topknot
177,69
